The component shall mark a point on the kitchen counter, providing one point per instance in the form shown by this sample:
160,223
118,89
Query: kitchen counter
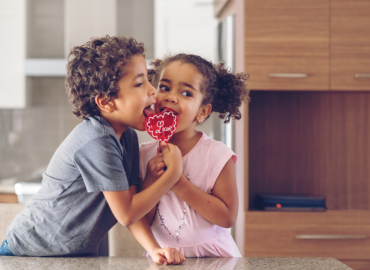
7,185
112,263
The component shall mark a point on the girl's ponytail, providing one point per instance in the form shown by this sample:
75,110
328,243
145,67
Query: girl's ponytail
229,93
154,73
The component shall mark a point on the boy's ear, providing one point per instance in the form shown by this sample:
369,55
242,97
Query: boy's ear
203,113
104,105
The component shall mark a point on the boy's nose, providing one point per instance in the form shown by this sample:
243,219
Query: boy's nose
151,91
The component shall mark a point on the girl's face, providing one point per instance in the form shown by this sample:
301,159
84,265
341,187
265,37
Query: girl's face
179,89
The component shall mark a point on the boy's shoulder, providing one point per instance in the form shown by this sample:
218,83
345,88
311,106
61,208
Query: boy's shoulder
93,127
91,132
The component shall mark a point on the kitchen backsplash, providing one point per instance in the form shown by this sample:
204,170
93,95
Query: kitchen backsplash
30,136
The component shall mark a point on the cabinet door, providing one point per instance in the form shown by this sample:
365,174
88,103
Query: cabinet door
344,235
287,44
350,45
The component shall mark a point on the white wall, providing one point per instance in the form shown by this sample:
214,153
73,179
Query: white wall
12,53
185,26
88,18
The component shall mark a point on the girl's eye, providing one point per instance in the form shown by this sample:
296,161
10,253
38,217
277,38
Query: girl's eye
138,85
187,94
164,88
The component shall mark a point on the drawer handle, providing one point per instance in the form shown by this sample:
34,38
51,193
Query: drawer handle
330,236
288,75
362,75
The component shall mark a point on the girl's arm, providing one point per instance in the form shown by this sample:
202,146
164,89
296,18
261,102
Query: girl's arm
220,208
143,234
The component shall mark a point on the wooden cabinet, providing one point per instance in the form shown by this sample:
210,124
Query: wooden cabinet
350,45
338,234
286,47
307,45
8,198
305,142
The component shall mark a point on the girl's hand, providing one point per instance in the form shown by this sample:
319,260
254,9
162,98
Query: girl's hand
167,256
155,168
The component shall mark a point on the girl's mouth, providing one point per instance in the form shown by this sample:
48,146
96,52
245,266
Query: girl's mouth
148,111
166,108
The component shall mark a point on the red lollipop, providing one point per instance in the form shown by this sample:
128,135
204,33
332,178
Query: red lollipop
161,126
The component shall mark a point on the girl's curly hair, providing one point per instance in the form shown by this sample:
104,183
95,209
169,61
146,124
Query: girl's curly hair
223,90
95,68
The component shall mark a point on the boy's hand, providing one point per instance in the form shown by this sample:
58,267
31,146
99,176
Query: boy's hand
172,158
167,256
155,168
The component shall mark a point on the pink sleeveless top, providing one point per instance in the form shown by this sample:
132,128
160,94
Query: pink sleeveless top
178,225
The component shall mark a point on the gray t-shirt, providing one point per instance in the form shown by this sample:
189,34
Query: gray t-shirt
69,215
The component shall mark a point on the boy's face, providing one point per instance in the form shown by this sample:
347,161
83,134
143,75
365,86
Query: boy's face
135,95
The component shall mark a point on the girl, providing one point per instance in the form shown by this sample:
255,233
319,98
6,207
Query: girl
194,214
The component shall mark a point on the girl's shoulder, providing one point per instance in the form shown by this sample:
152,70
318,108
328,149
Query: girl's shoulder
148,145
207,161
148,149
212,144
213,149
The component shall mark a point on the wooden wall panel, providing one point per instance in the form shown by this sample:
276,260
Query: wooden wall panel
311,143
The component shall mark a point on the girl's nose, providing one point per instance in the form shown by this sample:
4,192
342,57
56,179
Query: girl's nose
171,98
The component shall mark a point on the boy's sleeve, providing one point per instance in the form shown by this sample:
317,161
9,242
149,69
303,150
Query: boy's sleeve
100,165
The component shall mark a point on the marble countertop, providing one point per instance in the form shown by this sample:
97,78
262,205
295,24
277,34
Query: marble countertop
113,263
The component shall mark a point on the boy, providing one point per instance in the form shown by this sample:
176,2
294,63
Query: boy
91,180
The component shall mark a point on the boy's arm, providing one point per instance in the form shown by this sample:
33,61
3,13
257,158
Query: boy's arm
155,168
128,208
151,214
220,208
143,234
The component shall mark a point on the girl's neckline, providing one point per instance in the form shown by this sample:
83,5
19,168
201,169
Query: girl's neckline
201,138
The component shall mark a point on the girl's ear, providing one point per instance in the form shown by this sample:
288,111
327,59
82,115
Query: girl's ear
203,113
104,104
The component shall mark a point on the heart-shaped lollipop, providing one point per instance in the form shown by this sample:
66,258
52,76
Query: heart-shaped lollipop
161,126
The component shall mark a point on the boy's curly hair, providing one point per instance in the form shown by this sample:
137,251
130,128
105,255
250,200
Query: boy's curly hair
223,90
95,68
